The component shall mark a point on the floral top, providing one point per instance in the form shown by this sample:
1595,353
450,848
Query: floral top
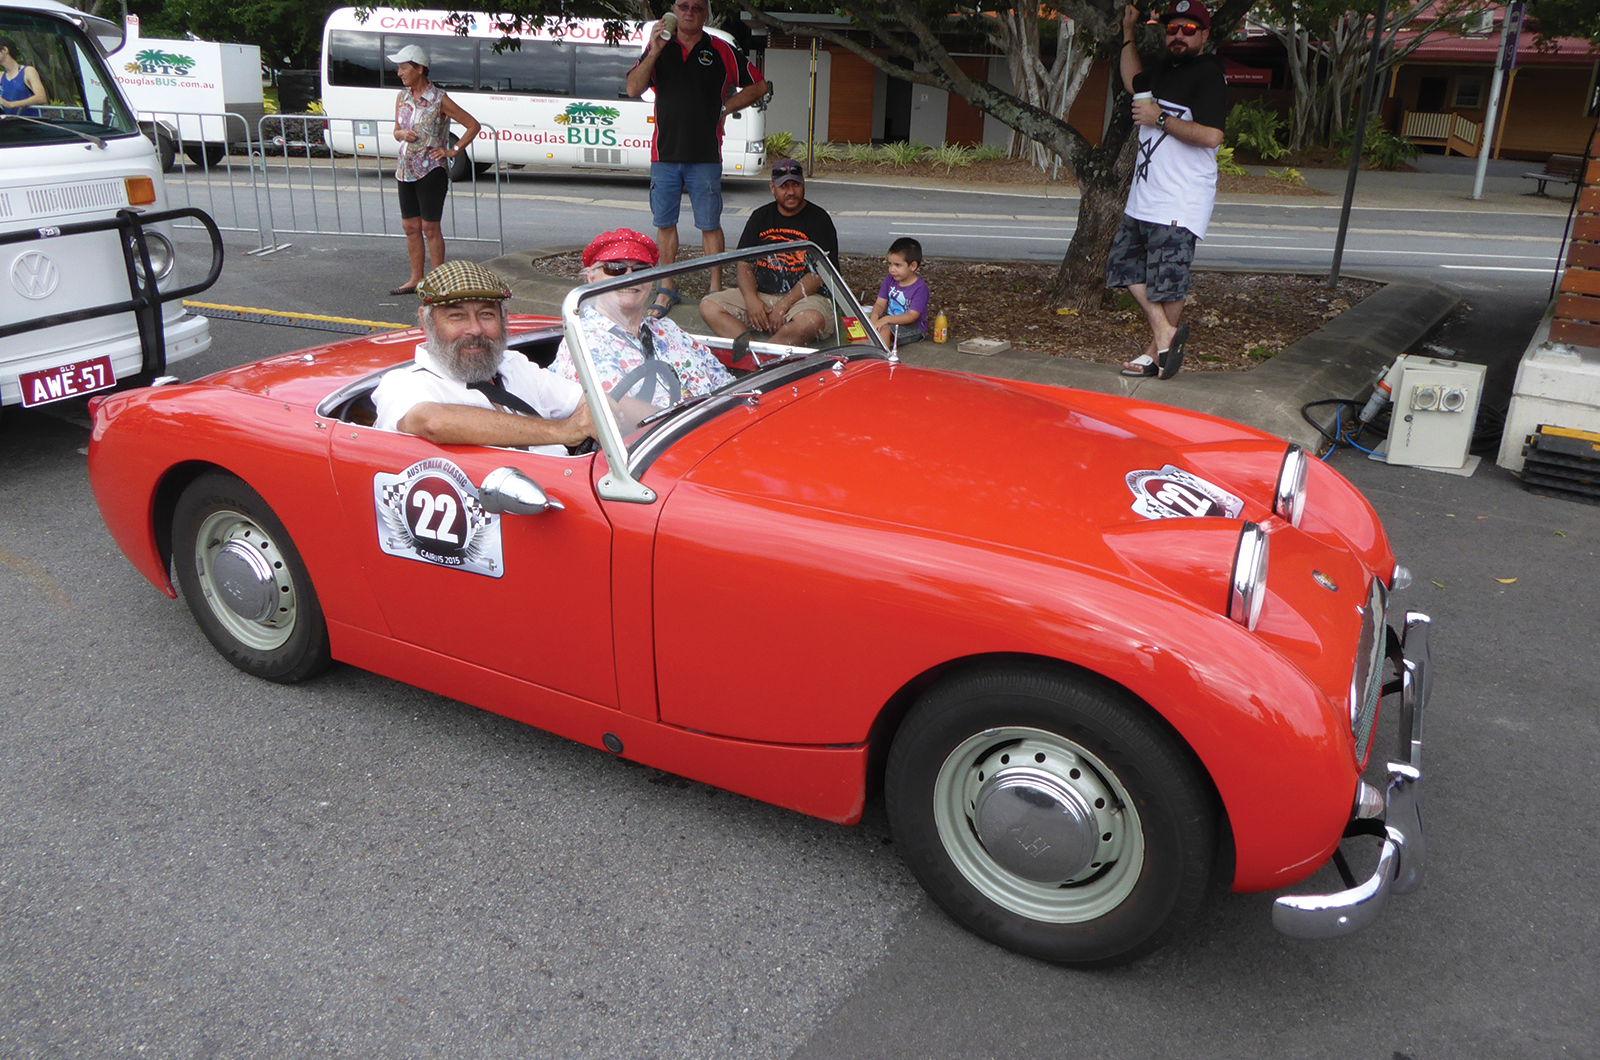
425,115
616,353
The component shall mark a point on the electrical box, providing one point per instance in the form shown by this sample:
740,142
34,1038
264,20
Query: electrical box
1435,409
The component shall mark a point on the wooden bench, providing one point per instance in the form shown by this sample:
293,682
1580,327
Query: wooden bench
1559,169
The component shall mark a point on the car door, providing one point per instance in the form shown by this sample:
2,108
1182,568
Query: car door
524,595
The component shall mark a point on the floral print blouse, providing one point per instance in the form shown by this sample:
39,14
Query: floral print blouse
616,353
424,114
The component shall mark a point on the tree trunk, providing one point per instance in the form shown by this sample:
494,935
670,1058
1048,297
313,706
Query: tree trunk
1080,283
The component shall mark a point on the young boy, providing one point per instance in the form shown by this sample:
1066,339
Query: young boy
902,306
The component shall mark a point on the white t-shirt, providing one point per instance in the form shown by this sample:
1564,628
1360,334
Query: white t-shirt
553,397
1179,184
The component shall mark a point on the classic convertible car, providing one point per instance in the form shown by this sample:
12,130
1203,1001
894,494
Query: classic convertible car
1097,653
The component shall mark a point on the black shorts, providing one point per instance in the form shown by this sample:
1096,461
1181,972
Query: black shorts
424,197
1157,256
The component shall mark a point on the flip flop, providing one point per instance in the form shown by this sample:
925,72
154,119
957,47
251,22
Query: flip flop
1171,358
405,288
1141,367
657,309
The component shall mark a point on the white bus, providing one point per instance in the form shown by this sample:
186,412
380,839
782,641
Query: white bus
83,224
556,101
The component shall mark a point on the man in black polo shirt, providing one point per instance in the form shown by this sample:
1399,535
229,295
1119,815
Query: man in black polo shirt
699,80
1180,109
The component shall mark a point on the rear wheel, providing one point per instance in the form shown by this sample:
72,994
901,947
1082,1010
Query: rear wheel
245,583
1052,815
462,167
207,155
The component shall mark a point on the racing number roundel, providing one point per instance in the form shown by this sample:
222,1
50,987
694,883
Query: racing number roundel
430,513
436,516
1173,493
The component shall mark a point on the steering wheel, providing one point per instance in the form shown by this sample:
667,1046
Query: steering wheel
649,377
584,448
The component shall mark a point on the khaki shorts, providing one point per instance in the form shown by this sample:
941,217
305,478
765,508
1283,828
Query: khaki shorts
730,299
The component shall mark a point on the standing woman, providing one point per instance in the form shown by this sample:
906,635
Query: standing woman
20,87
422,116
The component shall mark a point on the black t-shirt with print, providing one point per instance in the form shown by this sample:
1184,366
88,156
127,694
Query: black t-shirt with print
777,273
690,90
1195,83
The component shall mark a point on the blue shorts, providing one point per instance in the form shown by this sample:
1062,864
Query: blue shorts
703,180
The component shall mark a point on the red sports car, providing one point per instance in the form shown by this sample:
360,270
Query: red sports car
1098,653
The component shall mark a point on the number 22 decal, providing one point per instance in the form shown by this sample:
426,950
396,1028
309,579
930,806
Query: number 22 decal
441,504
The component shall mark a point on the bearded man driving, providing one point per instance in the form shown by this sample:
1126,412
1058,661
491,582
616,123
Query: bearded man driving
465,387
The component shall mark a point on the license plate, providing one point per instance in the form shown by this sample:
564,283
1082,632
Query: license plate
67,381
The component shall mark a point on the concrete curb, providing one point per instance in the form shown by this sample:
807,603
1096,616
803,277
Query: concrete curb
1337,361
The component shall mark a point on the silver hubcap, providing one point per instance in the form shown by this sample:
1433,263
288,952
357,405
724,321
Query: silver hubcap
245,580
1038,824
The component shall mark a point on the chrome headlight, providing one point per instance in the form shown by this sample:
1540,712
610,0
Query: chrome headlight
1289,499
1247,589
1400,579
162,255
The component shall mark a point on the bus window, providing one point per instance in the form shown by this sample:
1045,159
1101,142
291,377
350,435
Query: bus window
452,61
603,72
538,68
355,58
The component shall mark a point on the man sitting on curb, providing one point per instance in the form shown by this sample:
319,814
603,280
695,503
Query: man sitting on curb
466,388
778,295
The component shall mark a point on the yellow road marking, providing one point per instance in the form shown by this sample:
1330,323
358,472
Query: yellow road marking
295,316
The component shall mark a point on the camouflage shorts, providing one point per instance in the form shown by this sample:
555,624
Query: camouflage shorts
1157,256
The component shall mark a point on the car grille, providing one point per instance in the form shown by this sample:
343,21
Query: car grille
1366,684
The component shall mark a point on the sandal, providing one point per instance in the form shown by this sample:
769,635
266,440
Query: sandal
659,309
1171,358
1141,367
405,288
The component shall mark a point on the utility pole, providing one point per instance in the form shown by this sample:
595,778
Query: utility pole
1510,34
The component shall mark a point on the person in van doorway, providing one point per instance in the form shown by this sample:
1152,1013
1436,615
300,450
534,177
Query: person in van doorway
20,86
422,117
699,80
1180,109
900,313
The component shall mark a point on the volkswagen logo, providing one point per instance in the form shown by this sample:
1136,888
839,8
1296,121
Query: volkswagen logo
34,275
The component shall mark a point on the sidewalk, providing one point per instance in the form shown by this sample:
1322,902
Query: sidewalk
1438,183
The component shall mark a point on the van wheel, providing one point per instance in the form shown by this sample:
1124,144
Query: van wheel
462,168
207,155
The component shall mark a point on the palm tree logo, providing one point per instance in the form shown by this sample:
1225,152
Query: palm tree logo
587,114
156,63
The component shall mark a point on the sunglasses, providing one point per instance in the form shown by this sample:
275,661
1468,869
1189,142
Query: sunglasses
788,171
1188,31
622,268
691,9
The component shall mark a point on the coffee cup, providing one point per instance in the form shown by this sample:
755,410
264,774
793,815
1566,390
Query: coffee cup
668,26
1137,96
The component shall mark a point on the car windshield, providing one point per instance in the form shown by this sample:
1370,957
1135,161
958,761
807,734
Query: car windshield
780,309
80,101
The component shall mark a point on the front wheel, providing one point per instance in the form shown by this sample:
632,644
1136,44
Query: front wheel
1052,815
245,583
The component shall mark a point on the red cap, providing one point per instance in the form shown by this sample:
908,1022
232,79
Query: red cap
1192,10
622,245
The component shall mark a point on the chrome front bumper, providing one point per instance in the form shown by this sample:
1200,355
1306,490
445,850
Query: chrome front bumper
1400,865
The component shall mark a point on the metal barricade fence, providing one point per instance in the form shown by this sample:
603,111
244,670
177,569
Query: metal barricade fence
224,188
309,174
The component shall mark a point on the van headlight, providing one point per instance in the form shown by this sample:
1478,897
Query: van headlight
1247,589
163,256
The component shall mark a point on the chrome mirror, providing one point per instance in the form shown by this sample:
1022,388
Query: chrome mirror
509,491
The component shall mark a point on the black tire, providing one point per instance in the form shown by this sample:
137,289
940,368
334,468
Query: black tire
462,167
1138,858
207,155
228,545
166,150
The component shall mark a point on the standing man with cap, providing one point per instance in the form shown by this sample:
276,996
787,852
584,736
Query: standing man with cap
465,387
777,294
1180,109
422,116
699,80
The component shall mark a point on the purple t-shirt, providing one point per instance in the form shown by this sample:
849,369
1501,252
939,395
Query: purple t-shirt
906,300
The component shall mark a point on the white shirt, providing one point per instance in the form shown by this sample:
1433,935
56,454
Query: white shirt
397,392
1179,186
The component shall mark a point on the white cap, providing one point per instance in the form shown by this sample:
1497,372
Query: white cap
411,53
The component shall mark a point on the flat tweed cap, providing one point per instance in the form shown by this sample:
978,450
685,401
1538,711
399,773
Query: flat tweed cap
461,281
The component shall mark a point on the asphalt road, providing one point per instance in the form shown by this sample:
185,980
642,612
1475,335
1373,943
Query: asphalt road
196,863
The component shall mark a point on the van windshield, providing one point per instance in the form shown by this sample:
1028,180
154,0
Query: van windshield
79,97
